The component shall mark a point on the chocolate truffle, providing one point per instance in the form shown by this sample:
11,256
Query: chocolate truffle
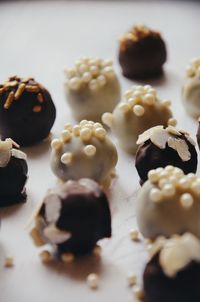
173,272
168,203
134,115
13,173
159,147
142,53
27,112
92,88
191,89
84,151
73,217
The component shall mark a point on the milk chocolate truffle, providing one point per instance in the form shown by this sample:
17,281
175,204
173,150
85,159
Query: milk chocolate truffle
140,110
168,203
84,151
173,272
159,147
27,112
13,173
191,89
92,88
142,53
73,217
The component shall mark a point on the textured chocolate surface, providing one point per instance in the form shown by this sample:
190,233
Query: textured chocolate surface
150,157
28,118
12,181
84,213
143,58
160,288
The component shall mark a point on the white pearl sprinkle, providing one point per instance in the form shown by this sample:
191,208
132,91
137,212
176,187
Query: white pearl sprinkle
186,200
134,234
196,186
132,279
66,158
100,133
153,176
107,119
87,77
93,84
66,135
85,134
149,99
184,183
138,110
76,130
124,107
172,122
93,281
89,150
168,190
166,103
101,80
56,144
155,195
74,83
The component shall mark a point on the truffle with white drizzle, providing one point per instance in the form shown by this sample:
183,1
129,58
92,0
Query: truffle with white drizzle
168,203
134,115
159,147
92,88
173,272
84,150
13,173
191,88
142,53
27,111
72,218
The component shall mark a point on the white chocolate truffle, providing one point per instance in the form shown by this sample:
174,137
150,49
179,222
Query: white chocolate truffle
191,88
134,115
87,153
168,203
92,88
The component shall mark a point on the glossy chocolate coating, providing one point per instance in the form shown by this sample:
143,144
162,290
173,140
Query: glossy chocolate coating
12,181
183,287
149,157
143,58
20,122
84,213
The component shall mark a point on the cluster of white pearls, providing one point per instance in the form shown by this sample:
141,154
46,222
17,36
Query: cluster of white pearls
138,32
193,69
85,131
94,73
171,180
138,97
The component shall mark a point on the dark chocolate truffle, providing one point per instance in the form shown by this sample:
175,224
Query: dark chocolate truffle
27,112
183,286
73,217
13,174
160,147
142,53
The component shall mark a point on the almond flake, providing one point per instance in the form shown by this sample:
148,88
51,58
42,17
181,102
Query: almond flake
55,235
181,147
159,138
52,208
146,135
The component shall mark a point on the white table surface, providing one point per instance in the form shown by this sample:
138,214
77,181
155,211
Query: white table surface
39,39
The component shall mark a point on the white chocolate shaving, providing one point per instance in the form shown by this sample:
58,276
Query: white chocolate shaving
55,235
52,208
5,152
181,147
179,252
18,154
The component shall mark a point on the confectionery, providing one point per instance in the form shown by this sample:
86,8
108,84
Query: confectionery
159,147
168,203
142,53
191,89
13,173
92,88
198,133
72,218
84,151
173,272
134,115
27,112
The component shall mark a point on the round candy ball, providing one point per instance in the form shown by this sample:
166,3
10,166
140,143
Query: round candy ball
134,115
92,88
73,217
142,53
84,150
27,112
13,174
159,147
168,203
191,89
173,272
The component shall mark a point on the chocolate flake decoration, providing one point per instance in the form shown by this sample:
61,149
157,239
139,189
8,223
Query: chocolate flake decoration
171,136
21,84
